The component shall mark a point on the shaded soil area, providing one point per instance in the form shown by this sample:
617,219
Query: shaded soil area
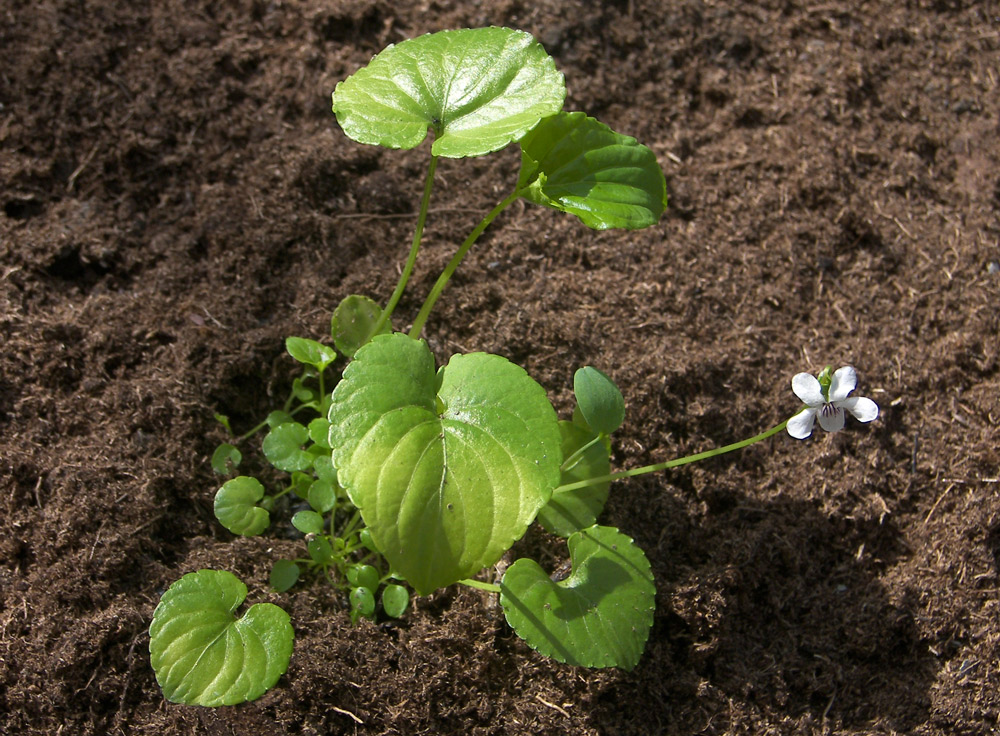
176,199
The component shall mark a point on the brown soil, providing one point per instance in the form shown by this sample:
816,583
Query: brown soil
177,198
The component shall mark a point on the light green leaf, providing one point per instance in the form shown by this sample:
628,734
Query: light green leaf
322,496
203,655
395,600
447,468
308,522
224,421
599,399
363,576
570,511
362,603
284,574
319,432
353,323
283,447
600,616
320,550
310,352
278,417
575,164
477,89
236,506
226,458
323,467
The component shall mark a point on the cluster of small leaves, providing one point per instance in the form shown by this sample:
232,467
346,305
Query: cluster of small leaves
410,472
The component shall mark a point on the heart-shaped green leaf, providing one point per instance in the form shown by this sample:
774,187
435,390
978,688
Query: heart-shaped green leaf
203,655
283,447
448,468
353,323
599,399
310,352
236,506
478,89
600,616
226,458
575,164
570,511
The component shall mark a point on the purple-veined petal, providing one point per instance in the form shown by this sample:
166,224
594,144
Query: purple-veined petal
807,388
801,425
864,410
831,418
843,382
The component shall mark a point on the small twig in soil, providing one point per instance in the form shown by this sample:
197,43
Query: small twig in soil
939,499
553,706
348,714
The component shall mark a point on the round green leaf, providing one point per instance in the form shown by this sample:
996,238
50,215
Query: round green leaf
395,600
322,496
319,432
226,458
447,468
320,550
575,164
362,603
365,537
284,574
310,352
323,467
478,89
600,616
203,655
278,417
363,576
236,506
308,522
283,447
570,511
302,392
353,323
599,399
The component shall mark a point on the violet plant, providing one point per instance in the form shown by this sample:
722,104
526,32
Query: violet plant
410,474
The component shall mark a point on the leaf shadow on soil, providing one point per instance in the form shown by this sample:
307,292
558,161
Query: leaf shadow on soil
779,607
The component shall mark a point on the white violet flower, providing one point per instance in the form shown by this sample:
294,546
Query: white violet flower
827,397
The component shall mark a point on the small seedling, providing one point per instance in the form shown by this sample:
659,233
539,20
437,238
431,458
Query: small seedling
407,472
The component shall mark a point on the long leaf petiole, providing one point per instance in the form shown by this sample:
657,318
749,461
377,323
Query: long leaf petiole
418,232
453,264
671,463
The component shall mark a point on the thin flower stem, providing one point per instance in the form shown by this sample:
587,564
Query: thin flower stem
488,587
442,281
672,463
414,249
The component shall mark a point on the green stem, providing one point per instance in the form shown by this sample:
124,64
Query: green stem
672,463
443,279
414,249
572,460
293,412
489,587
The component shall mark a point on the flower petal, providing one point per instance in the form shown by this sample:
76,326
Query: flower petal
864,410
807,388
843,382
831,418
801,425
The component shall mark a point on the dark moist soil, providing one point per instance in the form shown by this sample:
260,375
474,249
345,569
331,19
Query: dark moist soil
176,198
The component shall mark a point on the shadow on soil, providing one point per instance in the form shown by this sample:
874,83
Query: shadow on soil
779,607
